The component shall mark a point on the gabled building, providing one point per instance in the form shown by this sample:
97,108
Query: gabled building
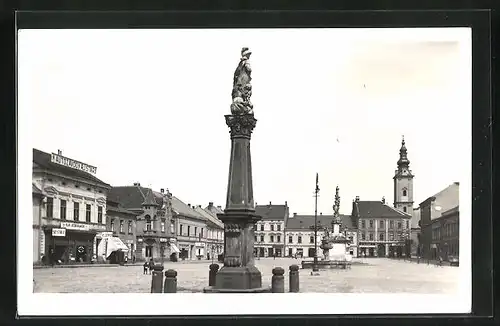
383,231
215,231
154,217
439,213
269,233
299,235
122,223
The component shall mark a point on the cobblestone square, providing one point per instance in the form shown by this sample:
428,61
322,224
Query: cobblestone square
365,276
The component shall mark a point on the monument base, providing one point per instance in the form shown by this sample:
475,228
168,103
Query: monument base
238,278
211,289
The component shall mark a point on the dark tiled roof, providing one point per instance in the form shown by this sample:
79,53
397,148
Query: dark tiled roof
43,160
184,210
214,210
450,211
130,197
150,199
211,219
376,209
114,206
271,212
301,222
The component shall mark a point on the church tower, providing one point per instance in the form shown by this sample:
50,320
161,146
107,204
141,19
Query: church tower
403,182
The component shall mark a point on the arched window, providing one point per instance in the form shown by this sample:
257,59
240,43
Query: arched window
404,209
404,192
148,222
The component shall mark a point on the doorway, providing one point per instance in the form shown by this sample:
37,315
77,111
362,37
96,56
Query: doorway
381,250
371,252
290,252
311,252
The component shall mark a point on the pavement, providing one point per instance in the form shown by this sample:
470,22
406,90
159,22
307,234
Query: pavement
371,275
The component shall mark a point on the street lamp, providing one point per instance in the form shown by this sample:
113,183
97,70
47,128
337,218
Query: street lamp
316,194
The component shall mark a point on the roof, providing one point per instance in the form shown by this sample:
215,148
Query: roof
272,212
302,222
446,199
130,197
43,160
449,212
184,210
114,206
377,209
214,210
150,199
210,218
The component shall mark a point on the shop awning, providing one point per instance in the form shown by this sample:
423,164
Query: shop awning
174,248
115,244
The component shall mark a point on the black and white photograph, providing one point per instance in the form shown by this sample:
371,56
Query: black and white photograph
330,166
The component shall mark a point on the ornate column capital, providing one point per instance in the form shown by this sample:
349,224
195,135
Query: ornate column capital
241,126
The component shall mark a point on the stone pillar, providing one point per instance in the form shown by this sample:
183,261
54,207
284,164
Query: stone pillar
278,280
239,273
294,278
212,274
170,281
157,279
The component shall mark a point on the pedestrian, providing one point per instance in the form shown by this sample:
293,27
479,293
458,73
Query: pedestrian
133,259
151,265
274,256
440,261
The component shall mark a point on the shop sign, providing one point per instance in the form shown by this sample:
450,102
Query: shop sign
163,240
75,226
199,244
58,232
105,234
98,227
59,159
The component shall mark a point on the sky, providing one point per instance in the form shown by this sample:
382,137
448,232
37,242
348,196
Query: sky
148,106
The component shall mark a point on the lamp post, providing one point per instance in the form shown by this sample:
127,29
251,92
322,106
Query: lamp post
316,193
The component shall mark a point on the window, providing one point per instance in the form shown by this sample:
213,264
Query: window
262,227
399,225
121,226
255,238
148,223
404,209
272,238
195,231
290,239
311,239
371,223
261,238
363,224
99,214
50,207
381,223
371,236
112,226
162,226
189,230
180,229
63,209
201,233
279,227
129,231
404,192
272,227
76,211
278,238
381,237
391,224
391,236
88,212
172,227
363,236
407,224
299,240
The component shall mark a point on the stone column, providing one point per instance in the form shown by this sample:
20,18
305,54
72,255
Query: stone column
239,273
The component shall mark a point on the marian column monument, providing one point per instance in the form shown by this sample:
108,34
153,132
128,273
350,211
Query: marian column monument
334,244
239,274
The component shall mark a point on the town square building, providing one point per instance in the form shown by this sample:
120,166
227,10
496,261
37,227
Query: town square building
37,197
215,231
71,206
269,234
154,239
121,223
439,220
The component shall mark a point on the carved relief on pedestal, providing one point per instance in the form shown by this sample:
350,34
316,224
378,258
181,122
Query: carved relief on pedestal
232,228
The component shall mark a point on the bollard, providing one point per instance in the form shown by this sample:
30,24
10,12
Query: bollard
157,279
278,280
214,268
294,278
170,281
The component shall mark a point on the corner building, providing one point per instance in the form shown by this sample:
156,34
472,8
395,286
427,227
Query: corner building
71,207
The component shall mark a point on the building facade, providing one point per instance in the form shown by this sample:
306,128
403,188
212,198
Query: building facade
269,233
299,234
383,231
73,208
415,233
215,231
154,217
191,230
431,211
37,197
122,223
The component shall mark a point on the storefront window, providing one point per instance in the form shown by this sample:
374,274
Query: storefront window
76,211
88,213
50,207
63,209
99,214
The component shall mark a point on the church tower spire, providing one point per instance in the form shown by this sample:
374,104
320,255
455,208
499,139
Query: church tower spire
403,182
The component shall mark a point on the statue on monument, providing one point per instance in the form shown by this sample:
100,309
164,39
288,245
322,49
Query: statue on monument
242,88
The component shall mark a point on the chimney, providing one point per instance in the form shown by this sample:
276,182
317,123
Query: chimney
383,199
219,207
137,184
269,203
294,214
162,190
189,205
320,213
357,198
59,152
210,204
199,206
286,203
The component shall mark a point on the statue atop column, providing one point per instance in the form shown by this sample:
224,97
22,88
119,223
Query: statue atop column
336,206
242,88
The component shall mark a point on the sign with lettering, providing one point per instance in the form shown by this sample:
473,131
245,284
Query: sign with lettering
163,240
103,235
59,159
199,244
75,226
58,232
